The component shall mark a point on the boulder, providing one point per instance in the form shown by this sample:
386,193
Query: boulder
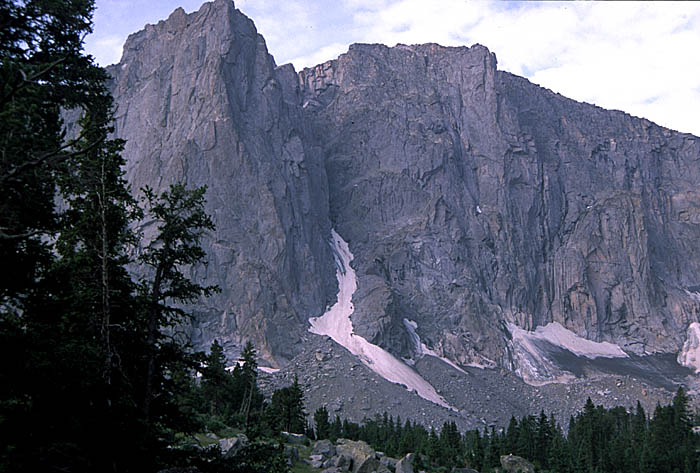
515,464
323,447
372,465
230,446
316,461
343,462
357,451
405,465
296,439
292,454
388,462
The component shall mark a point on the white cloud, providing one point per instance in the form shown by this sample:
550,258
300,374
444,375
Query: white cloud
108,49
322,55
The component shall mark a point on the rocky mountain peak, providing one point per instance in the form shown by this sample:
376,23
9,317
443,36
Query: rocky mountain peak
478,206
199,101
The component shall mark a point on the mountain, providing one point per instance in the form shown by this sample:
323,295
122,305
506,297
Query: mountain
480,203
492,226
199,100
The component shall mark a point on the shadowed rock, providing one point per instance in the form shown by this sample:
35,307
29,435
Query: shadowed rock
200,100
470,197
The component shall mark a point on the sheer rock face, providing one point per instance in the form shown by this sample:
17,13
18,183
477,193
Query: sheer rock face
471,197
199,100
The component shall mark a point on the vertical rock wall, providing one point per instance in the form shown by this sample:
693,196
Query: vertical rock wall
200,100
471,196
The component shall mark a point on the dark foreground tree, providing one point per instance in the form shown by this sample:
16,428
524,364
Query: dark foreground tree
63,287
181,220
42,70
91,373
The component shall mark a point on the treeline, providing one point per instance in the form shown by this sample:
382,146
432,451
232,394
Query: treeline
599,440
218,399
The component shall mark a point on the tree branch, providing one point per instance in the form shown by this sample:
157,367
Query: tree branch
26,80
32,163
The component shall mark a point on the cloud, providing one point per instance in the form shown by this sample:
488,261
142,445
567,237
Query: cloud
330,51
107,49
637,57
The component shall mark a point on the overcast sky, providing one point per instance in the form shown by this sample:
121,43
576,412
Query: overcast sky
642,58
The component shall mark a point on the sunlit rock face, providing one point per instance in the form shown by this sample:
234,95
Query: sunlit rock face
471,199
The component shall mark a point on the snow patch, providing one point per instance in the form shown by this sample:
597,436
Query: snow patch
531,360
267,369
336,324
556,334
689,356
233,366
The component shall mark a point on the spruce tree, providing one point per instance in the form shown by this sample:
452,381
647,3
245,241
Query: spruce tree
286,409
216,384
322,426
181,222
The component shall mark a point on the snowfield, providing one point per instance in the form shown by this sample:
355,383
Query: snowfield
532,360
689,356
336,324
556,334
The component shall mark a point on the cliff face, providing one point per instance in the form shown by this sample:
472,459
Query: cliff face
472,199
200,100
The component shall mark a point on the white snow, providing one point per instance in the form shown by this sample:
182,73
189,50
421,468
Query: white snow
267,369
689,355
532,362
336,324
233,367
556,334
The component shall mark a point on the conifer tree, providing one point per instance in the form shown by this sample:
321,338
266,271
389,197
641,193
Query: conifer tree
323,427
181,219
217,383
286,410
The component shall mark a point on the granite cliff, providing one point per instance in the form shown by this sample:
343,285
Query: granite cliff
477,205
200,100
475,200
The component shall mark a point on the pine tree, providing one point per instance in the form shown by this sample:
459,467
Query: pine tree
335,429
286,409
247,399
217,383
543,440
323,427
511,437
42,70
64,289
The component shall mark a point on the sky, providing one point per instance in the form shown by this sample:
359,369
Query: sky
639,57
